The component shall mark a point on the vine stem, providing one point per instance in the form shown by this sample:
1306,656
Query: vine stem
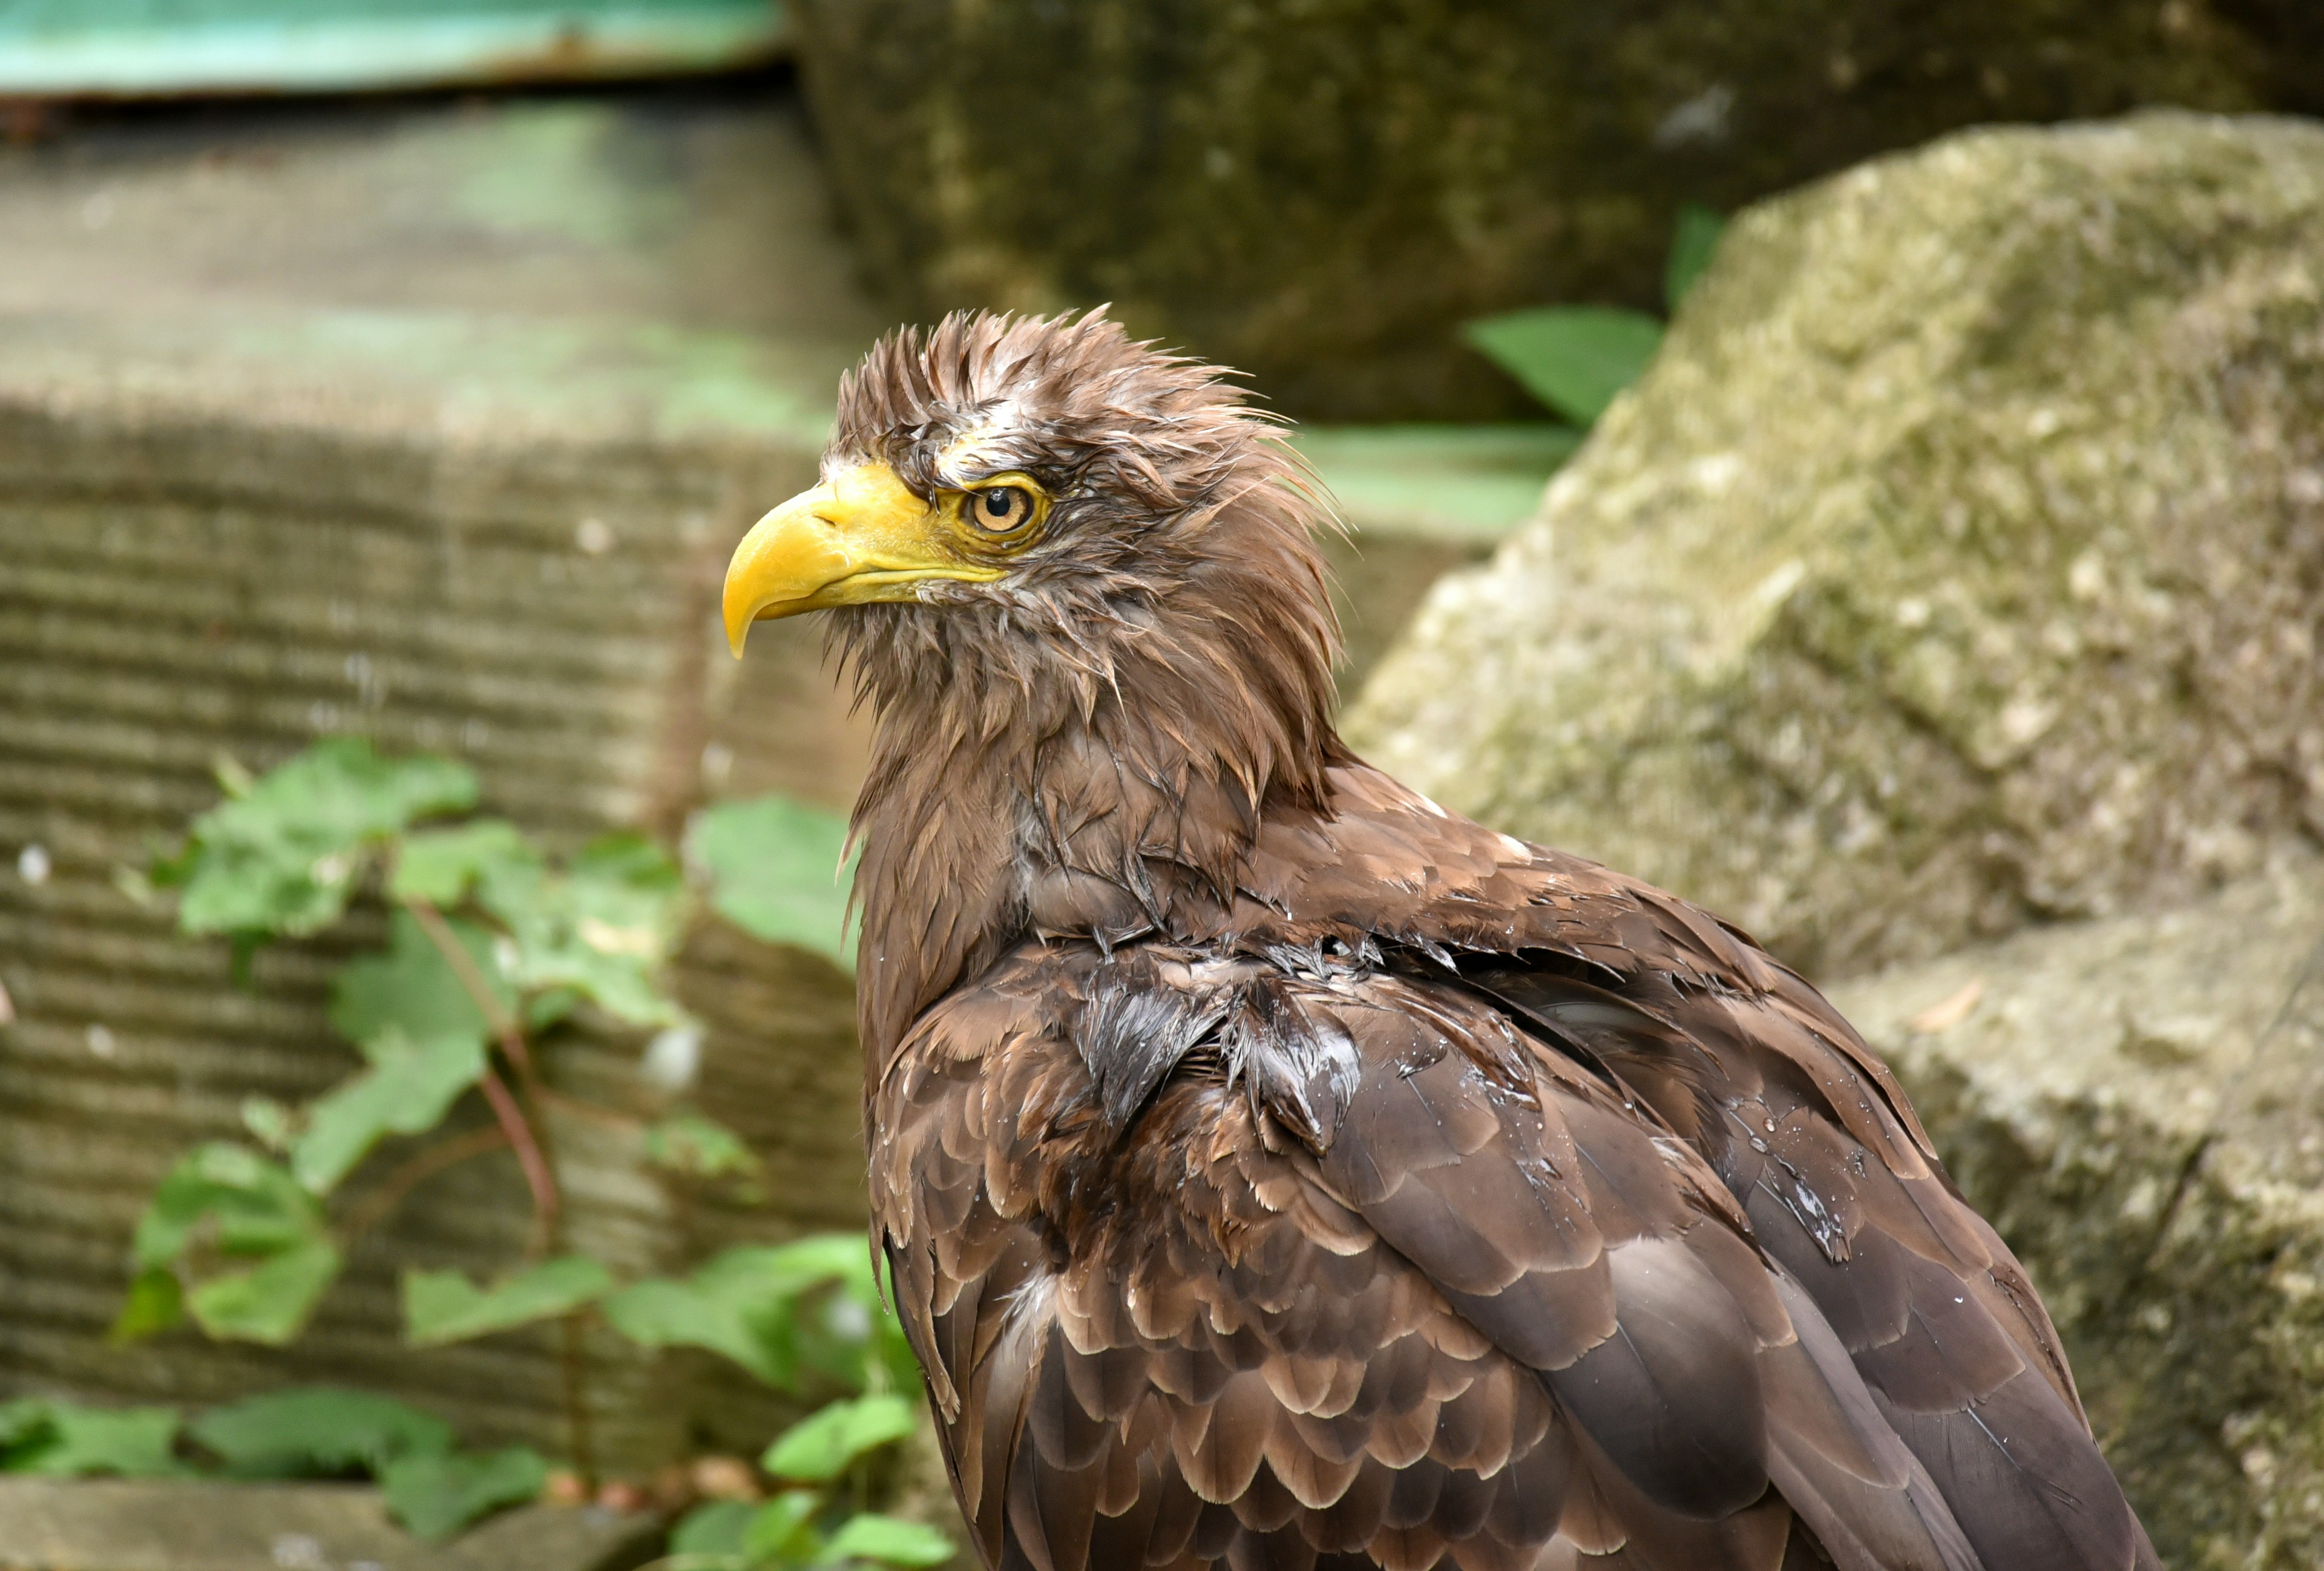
547,1209
392,1190
527,1136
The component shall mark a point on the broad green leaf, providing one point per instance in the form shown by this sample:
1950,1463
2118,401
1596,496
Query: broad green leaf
659,1313
688,1142
821,1308
714,1528
270,1302
775,871
440,1306
413,988
1694,240
155,1302
887,1541
283,857
406,1090
821,1447
435,1494
258,1206
783,1530
739,1303
600,929
442,866
1574,358
76,1441
318,1432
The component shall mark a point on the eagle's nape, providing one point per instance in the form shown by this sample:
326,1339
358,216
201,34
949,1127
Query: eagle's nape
1277,1170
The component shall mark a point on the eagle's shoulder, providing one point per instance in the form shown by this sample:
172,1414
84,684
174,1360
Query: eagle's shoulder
1206,1245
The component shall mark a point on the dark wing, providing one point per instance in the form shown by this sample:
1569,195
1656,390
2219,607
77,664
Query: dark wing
1804,1124
1365,1279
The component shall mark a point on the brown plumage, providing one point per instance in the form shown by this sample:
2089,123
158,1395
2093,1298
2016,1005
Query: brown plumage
1277,1170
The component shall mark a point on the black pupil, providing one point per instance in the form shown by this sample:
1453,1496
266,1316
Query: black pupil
1000,504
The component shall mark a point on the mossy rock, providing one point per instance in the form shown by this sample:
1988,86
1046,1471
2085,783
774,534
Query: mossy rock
1320,193
1959,564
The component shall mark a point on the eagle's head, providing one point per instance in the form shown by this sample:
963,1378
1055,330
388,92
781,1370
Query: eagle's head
1025,518
1077,581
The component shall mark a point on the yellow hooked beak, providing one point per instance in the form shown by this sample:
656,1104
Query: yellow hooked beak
859,537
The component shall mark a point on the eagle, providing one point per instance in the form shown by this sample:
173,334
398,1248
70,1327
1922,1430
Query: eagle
1275,1170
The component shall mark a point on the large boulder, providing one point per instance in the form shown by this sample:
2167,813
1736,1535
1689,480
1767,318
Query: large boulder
1320,193
2134,1103
1959,563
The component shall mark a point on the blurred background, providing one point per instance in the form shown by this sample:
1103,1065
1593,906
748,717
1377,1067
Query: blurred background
1859,464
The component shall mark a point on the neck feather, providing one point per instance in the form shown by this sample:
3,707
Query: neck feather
1091,777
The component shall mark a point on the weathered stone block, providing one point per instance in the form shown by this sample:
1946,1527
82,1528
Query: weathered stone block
398,498
114,1524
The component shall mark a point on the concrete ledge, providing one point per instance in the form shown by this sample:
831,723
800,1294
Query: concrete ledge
114,1524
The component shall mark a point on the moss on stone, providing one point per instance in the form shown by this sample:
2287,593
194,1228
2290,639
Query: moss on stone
1959,562
1320,192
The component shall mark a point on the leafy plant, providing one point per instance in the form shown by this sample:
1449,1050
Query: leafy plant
65,1440
311,1433
491,943
1576,359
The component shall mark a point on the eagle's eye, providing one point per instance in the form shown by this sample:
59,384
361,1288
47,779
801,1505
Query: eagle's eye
1000,509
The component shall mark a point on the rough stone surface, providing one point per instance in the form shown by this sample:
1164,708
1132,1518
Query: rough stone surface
1320,193
384,473
139,1525
2138,1104
1958,564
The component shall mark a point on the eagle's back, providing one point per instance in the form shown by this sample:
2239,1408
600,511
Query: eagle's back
1454,1202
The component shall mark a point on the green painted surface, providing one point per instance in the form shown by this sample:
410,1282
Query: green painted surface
1462,483
160,47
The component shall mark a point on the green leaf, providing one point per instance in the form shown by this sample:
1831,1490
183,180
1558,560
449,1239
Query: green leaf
783,1530
283,857
775,871
887,1541
1694,241
659,1313
821,1447
714,1528
442,866
1574,358
406,1090
435,1494
440,1306
688,1142
318,1432
258,1206
413,988
76,1441
156,1302
258,1209
600,929
270,1302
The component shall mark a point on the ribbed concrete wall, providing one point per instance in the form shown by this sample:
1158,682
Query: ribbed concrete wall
220,556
